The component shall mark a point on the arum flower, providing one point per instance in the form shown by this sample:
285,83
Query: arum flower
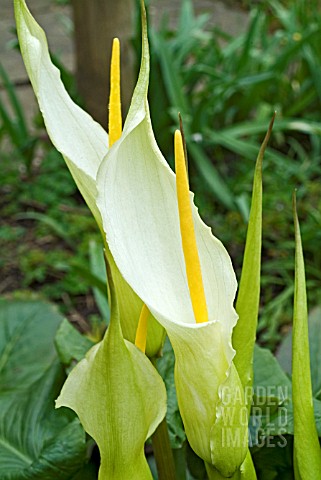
120,400
83,144
184,276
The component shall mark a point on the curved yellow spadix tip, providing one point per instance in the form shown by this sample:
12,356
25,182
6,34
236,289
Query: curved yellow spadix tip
192,262
114,119
141,332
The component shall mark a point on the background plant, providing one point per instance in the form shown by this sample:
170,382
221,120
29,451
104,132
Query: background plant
227,90
46,230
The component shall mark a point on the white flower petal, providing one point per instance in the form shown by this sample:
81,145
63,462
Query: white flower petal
138,203
141,221
141,199
81,140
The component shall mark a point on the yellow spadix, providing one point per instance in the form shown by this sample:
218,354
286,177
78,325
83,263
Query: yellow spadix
115,119
192,262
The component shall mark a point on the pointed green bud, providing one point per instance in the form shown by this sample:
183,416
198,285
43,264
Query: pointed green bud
120,399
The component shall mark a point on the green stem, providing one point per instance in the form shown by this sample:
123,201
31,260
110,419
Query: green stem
163,453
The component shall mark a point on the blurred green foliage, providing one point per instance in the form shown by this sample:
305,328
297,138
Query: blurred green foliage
226,89
45,226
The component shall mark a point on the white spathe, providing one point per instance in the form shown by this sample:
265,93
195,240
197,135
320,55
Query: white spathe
140,218
83,144
82,141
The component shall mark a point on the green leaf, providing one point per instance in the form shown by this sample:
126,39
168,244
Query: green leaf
273,460
20,124
50,222
98,268
27,329
36,442
284,353
70,344
272,407
211,176
247,305
307,453
89,472
271,404
165,366
195,464
268,373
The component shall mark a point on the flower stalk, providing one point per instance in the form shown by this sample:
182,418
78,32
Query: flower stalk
163,453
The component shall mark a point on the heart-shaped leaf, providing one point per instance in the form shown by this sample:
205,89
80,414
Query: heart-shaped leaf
37,442
27,329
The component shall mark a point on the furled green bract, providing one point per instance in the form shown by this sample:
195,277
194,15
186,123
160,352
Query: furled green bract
248,299
142,200
120,399
307,453
247,305
83,144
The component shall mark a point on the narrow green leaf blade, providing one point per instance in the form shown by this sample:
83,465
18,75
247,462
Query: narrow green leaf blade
307,453
247,305
212,177
21,123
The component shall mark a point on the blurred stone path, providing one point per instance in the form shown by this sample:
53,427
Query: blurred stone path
57,22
